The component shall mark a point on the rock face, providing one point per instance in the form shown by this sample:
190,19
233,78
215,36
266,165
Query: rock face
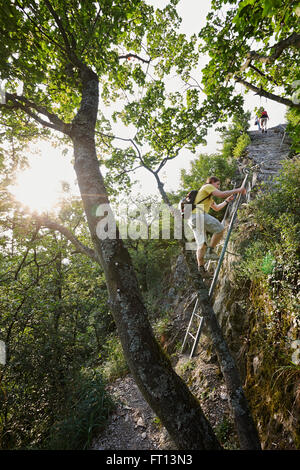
231,301
265,155
266,152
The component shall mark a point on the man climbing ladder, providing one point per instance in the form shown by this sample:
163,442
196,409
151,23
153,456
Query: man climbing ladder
196,317
210,224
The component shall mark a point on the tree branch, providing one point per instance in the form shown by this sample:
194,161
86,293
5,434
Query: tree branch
85,250
130,54
292,41
38,27
20,102
70,48
60,26
263,74
267,94
125,140
27,251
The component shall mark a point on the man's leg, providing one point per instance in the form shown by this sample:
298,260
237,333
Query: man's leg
197,225
200,254
214,227
262,125
216,238
206,276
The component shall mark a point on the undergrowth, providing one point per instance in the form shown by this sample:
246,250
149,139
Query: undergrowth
87,409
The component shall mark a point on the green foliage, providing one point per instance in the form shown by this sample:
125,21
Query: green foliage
234,136
293,129
268,263
114,364
54,322
224,432
221,165
152,260
237,29
119,42
241,145
87,408
161,325
208,165
276,215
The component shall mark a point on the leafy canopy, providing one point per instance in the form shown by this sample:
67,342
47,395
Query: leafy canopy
254,43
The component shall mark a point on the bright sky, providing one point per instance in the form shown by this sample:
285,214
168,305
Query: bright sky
41,187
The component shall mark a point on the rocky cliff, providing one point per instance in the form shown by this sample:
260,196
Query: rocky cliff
243,309
247,309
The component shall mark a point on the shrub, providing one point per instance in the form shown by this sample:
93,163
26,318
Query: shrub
242,142
115,364
207,165
293,129
87,409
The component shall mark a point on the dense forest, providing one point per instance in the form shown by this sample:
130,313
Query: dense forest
81,306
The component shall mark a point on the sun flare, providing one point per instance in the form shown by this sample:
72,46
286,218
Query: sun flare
35,190
39,187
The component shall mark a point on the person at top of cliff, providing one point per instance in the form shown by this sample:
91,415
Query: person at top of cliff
263,120
204,202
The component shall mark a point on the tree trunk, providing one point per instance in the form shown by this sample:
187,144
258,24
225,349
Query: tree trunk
166,393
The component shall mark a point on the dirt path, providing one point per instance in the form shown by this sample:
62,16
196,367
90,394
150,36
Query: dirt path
134,426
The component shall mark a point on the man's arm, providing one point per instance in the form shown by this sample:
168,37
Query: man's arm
218,207
228,193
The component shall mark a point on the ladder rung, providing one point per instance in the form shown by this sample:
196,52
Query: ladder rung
192,336
197,315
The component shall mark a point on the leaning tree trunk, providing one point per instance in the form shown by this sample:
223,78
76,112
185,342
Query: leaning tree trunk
244,423
166,393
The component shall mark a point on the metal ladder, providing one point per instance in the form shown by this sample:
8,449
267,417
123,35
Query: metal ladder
195,315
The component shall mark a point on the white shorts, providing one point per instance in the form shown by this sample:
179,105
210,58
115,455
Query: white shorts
201,223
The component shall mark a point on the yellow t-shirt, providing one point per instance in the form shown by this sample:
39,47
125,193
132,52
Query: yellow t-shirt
203,192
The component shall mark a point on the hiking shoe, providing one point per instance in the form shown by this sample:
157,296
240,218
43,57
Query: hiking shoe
211,254
203,273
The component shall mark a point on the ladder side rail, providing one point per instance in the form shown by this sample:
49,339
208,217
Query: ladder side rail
197,337
189,326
